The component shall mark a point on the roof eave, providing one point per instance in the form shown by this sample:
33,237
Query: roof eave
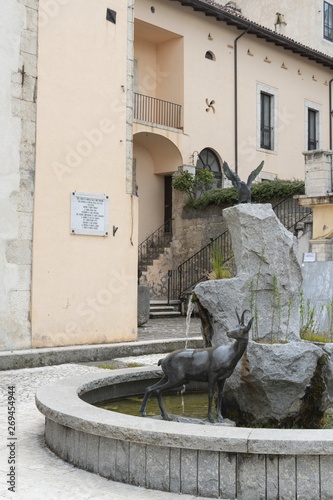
260,31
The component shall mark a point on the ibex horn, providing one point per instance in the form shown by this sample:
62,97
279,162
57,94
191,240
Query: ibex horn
237,315
242,318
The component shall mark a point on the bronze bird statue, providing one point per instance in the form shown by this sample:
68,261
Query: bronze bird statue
244,189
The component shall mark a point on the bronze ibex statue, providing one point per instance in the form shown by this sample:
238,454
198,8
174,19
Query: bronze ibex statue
213,365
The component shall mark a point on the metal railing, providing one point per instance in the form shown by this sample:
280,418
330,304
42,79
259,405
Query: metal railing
197,267
152,246
290,213
151,110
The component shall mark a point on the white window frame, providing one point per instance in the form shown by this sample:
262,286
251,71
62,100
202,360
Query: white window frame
272,91
316,107
329,40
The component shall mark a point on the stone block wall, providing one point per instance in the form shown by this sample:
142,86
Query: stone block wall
318,172
18,129
322,248
210,461
192,229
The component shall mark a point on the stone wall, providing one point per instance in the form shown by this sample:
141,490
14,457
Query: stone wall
18,81
192,229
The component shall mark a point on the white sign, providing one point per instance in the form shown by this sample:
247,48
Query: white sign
309,257
89,214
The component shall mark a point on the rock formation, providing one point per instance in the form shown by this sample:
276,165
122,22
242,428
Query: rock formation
281,381
268,277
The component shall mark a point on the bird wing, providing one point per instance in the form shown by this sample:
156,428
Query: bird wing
254,174
232,176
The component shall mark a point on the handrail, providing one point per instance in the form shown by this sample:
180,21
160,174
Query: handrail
152,246
290,213
151,110
197,267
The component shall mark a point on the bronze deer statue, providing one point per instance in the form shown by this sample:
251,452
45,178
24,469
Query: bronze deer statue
213,365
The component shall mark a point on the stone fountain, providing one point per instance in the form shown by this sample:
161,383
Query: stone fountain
281,380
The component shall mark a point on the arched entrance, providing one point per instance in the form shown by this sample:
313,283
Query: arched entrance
156,159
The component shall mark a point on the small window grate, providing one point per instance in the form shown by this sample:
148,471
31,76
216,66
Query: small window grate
111,16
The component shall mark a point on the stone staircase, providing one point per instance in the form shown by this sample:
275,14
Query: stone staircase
161,309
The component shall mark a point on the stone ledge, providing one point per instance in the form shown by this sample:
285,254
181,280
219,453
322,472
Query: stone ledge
309,201
60,402
217,462
32,358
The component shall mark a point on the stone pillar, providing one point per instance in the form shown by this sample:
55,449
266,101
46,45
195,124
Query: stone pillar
318,172
18,80
322,248
143,304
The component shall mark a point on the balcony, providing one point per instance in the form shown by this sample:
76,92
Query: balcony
156,111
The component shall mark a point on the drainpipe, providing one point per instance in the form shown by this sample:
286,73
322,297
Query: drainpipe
330,123
236,96
330,112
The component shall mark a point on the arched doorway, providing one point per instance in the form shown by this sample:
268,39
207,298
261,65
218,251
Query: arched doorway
156,159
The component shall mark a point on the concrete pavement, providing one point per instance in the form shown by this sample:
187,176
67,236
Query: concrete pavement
38,474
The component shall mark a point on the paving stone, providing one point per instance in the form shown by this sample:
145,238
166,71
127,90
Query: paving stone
41,474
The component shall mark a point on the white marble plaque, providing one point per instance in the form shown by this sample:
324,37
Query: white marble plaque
309,257
89,214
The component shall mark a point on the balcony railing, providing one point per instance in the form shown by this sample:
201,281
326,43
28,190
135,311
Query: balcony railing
151,110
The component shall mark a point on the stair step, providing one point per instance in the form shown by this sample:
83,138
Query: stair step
164,314
161,308
164,302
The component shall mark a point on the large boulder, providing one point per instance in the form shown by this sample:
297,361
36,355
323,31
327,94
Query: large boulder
268,278
279,385
280,381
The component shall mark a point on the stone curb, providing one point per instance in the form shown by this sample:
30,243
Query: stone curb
60,402
33,358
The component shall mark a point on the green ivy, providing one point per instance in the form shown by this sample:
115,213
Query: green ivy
191,184
262,192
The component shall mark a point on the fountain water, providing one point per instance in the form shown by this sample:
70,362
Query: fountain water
190,308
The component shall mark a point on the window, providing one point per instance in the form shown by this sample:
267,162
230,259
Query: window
209,160
266,129
313,126
209,55
328,21
266,118
312,129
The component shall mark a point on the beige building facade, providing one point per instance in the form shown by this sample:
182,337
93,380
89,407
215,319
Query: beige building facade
129,92
79,288
309,23
194,60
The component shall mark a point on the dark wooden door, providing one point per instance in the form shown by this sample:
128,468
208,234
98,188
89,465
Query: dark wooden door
168,201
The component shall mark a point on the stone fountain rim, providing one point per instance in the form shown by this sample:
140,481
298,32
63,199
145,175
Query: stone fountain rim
61,403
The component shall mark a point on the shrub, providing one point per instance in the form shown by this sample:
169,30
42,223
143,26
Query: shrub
262,192
193,185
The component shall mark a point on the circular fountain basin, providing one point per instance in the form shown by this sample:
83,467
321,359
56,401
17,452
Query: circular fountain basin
212,461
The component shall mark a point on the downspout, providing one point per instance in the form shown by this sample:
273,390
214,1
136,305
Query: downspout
330,124
330,112
236,96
